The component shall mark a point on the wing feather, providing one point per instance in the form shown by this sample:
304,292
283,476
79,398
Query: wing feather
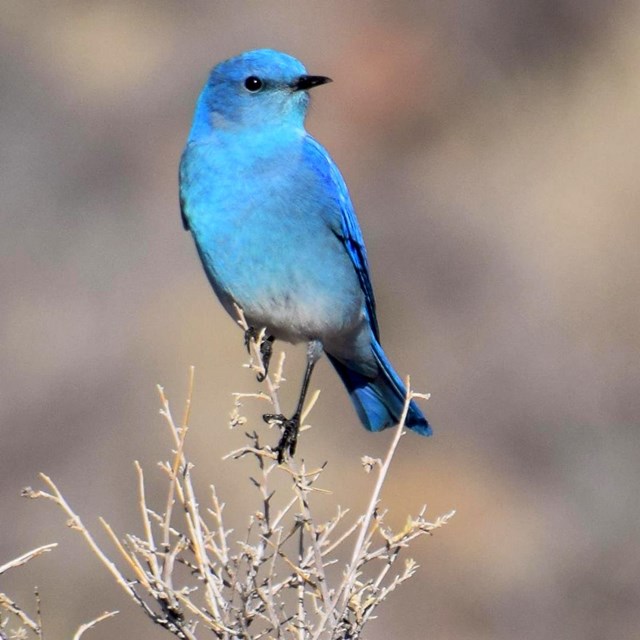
343,221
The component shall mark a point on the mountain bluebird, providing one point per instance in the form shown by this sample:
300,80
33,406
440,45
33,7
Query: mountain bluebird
277,234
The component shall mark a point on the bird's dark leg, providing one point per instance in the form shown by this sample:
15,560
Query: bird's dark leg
291,426
266,349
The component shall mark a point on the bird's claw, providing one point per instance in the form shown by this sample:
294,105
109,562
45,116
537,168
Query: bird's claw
266,350
289,439
249,335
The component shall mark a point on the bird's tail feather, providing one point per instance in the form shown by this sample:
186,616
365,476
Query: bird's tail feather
379,401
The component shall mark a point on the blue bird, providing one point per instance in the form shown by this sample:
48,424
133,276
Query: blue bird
278,236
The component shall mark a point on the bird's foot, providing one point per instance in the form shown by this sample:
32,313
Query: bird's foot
249,335
289,439
266,350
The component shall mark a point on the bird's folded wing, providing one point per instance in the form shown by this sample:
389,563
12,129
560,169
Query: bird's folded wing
342,219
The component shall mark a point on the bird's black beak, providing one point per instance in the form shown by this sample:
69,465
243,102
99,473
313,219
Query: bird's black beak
308,82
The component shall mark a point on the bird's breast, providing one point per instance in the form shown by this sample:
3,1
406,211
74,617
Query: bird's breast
266,245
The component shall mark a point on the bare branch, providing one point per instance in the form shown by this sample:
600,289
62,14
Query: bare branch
25,557
93,623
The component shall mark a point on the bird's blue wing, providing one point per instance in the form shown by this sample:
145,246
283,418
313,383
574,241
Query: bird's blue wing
342,219
183,213
183,204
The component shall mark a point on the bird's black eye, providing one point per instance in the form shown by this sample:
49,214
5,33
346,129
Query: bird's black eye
253,84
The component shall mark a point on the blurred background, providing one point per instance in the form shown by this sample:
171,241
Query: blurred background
491,150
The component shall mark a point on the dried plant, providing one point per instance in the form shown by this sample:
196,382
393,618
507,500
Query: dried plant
15,615
287,575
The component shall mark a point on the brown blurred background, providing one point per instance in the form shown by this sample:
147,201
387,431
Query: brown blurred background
491,151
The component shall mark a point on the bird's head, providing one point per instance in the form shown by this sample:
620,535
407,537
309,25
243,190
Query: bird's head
257,89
